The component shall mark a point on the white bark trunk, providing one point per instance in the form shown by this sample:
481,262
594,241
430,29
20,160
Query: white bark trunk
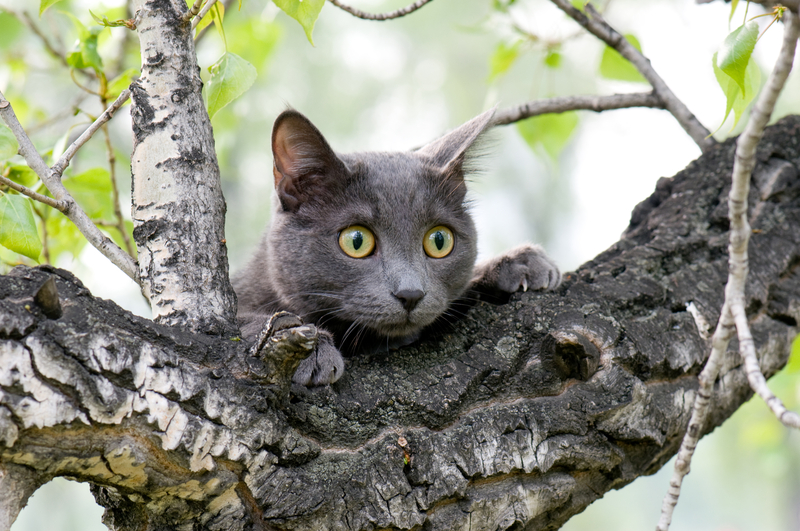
178,208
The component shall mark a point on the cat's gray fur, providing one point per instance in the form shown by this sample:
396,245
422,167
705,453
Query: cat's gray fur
364,303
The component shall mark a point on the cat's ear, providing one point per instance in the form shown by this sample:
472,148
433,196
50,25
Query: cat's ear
449,152
304,163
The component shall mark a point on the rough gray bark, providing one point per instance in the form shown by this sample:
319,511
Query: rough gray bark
178,209
518,417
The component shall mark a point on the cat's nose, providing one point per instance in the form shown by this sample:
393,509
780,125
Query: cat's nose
409,297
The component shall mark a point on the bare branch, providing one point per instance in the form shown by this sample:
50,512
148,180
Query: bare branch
380,16
719,345
63,162
575,103
189,15
740,228
600,29
53,183
203,13
49,201
112,169
733,310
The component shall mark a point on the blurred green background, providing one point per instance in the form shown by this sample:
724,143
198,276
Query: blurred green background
568,182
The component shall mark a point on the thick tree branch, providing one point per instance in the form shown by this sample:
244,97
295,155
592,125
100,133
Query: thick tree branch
598,27
520,414
380,16
576,103
72,210
733,316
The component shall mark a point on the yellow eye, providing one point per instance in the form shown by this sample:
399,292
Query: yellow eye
438,242
357,241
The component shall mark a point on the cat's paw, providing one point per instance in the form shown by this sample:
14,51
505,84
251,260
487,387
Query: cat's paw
324,366
520,269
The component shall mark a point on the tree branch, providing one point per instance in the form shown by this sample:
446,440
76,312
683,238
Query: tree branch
519,415
63,161
733,317
72,210
574,103
380,16
49,201
202,13
598,27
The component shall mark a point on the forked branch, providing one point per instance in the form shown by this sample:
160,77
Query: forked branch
733,317
598,27
52,180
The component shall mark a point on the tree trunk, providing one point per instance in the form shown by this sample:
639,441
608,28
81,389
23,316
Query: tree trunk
178,209
519,416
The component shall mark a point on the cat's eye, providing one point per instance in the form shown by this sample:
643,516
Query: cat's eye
438,242
357,241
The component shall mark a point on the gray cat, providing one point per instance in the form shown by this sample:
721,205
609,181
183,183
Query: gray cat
372,247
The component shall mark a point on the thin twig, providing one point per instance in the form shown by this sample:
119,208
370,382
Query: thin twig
25,18
63,162
73,211
600,29
575,103
733,313
49,201
199,37
203,13
380,16
112,167
189,15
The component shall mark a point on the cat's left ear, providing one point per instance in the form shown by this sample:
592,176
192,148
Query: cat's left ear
449,152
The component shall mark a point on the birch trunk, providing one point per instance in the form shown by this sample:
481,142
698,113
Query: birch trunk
518,417
178,208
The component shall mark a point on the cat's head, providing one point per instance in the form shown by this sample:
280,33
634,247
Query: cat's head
376,242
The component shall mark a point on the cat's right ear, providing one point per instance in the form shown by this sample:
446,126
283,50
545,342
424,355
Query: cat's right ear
450,152
303,160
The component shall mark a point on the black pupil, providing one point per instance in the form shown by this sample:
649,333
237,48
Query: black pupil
358,239
438,239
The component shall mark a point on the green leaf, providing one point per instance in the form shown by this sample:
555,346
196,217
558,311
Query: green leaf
18,226
734,5
218,14
579,4
305,12
8,143
62,236
793,365
614,66
502,58
22,174
44,4
120,83
548,131
109,23
553,58
92,190
734,55
84,53
231,76
735,100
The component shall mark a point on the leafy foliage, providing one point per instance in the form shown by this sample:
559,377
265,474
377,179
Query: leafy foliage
18,226
734,56
8,143
549,132
614,66
305,12
503,57
231,76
